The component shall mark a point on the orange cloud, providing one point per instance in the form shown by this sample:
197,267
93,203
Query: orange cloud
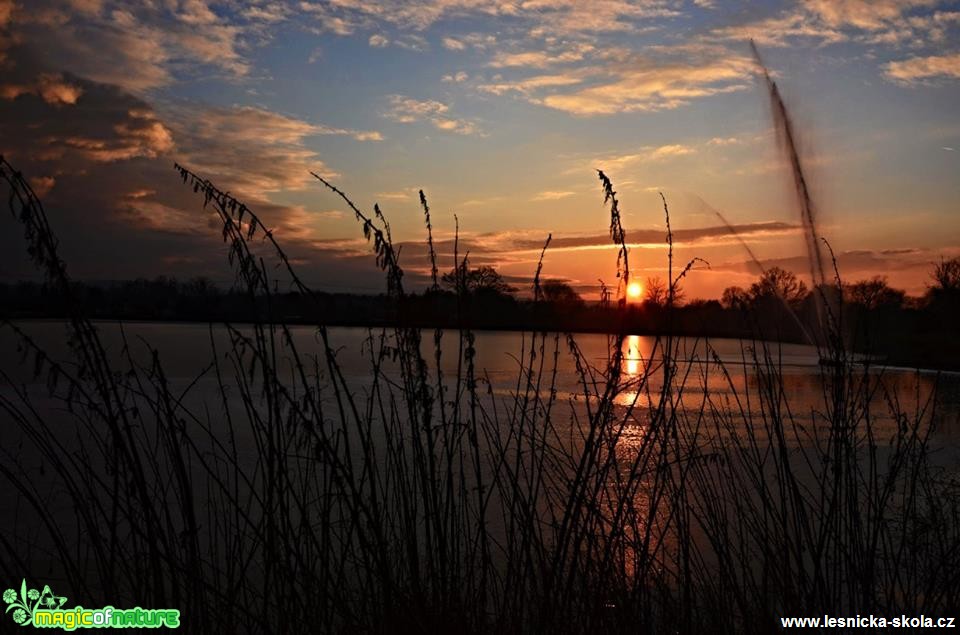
656,87
408,110
916,69
140,134
50,86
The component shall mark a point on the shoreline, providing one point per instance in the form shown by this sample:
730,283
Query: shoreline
890,362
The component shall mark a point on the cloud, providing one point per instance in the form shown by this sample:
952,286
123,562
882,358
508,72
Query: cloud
662,78
103,152
572,17
103,162
156,216
59,119
6,11
917,69
90,160
657,237
412,43
530,85
138,46
870,15
479,202
552,195
42,185
538,18
101,155
408,110
542,58
359,135
363,135
907,265
655,88
872,22
140,134
269,13
250,150
521,247
253,125
52,87
406,194
326,21
780,30
458,77
453,44
647,154
724,141
479,41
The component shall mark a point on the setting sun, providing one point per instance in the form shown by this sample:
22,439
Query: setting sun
539,311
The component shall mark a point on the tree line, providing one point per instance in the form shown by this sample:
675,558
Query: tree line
777,306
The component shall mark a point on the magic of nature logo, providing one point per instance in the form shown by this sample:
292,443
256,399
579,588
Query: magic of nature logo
44,609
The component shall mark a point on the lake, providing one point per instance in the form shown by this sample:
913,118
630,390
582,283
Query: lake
737,472
722,368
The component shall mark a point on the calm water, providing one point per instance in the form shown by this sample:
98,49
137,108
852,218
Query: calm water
186,351
718,369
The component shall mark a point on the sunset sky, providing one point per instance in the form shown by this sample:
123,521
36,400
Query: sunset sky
501,111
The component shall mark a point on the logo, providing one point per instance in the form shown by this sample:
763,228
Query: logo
44,609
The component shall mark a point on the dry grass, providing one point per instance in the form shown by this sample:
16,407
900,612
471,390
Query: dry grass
424,502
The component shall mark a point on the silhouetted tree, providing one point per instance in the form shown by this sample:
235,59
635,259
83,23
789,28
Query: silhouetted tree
875,293
483,279
200,287
946,277
700,304
943,296
735,298
655,292
779,283
560,292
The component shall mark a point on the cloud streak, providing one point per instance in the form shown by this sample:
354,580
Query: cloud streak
409,110
870,22
665,79
657,237
919,69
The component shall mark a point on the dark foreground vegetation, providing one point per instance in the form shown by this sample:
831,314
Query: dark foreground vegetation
425,502
895,329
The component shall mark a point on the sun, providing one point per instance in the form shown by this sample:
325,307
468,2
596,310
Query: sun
634,290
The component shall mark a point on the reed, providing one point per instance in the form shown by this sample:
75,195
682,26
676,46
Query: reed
417,501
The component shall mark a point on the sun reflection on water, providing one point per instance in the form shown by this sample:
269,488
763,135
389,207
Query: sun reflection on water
631,355
633,370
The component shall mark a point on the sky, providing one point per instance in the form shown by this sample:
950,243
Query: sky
502,112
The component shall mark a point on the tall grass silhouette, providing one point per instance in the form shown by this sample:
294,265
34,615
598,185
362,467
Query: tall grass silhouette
418,501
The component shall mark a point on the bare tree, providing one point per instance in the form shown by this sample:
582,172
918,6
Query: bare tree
560,292
655,292
479,279
735,298
946,276
875,293
779,283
